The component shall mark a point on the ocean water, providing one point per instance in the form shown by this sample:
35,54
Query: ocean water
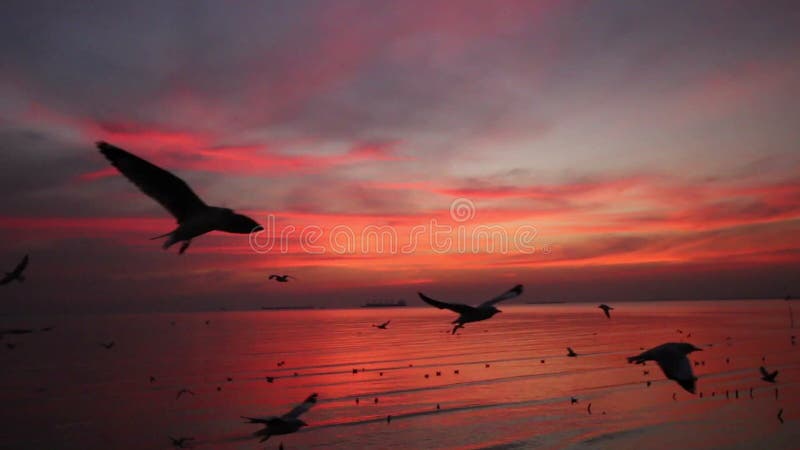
62,390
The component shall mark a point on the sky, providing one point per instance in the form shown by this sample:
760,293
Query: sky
592,151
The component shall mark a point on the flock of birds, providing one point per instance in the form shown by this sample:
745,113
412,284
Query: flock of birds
195,218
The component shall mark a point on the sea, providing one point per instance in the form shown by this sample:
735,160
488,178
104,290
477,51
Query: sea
505,383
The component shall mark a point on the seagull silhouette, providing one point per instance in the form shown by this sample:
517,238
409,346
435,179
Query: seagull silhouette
281,278
180,442
383,325
780,415
606,309
14,331
671,357
194,217
285,424
571,353
768,376
16,274
108,345
467,314
183,391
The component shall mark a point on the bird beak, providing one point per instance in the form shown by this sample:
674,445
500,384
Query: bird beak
499,310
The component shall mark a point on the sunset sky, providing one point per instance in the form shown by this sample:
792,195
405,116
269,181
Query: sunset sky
652,146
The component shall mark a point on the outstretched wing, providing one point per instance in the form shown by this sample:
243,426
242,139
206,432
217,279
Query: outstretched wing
303,407
511,293
165,188
457,307
385,324
21,266
677,367
764,372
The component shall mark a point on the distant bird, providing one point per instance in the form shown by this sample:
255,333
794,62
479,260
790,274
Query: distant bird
14,331
646,372
16,274
780,415
589,408
281,363
229,379
281,278
107,345
605,309
671,357
468,313
180,442
376,400
270,379
438,407
285,424
383,325
389,418
152,379
194,217
768,376
456,372
183,391
573,400
571,353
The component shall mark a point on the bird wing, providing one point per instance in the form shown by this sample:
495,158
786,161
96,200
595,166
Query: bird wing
457,307
264,420
385,323
303,407
675,366
511,293
763,371
165,188
21,266
6,279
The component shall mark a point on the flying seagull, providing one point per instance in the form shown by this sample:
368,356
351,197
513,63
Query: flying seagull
671,357
194,217
571,353
183,391
281,278
180,442
285,424
468,313
14,331
108,345
606,309
16,274
383,325
768,376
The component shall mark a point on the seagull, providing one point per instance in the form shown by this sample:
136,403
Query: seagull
194,217
108,345
383,325
780,415
767,376
183,391
573,400
16,274
473,313
671,357
285,424
571,353
281,278
14,331
606,309
180,442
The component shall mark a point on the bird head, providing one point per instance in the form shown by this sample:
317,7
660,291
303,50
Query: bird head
687,348
239,223
494,310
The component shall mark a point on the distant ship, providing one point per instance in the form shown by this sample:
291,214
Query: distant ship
384,304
